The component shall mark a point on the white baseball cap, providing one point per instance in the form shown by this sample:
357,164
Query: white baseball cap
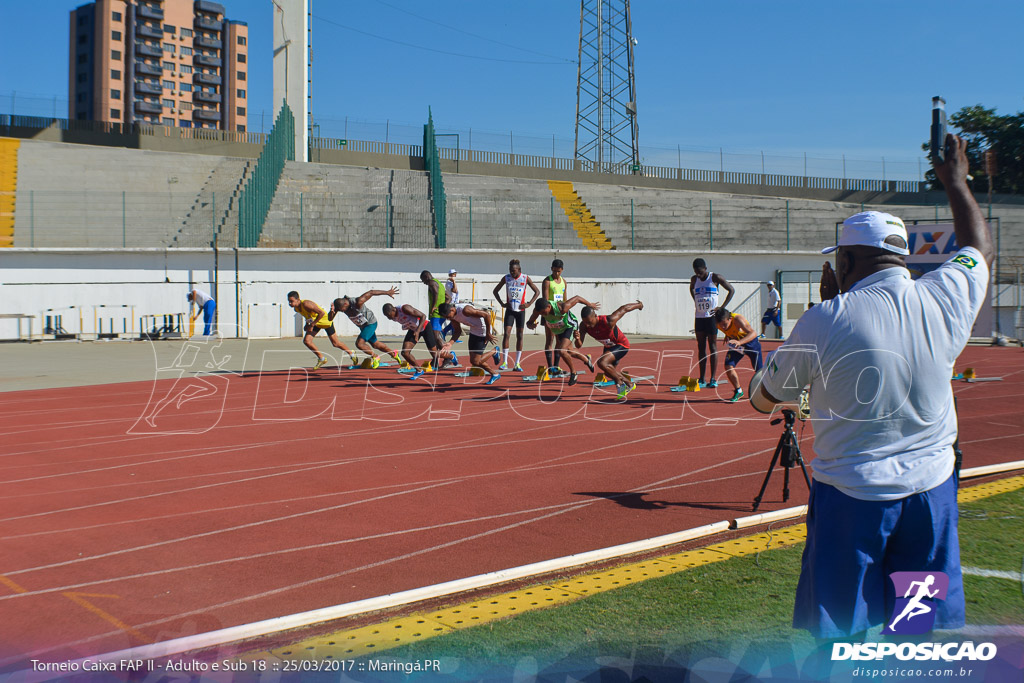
870,229
452,271
770,283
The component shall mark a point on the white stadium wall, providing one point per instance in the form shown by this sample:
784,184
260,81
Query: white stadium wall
89,284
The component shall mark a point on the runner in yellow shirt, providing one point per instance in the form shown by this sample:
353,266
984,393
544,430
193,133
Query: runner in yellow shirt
317,319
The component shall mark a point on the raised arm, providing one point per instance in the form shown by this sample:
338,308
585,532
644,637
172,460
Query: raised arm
968,221
366,296
566,306
614,318
724,284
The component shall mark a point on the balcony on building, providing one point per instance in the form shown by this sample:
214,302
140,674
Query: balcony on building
208,7
211,97
206,79
148,12
206,60
208,24
148,89
148,69
143,50
149,31
210,43
148,108
206,114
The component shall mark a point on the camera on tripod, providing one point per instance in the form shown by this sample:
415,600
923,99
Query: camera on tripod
787,454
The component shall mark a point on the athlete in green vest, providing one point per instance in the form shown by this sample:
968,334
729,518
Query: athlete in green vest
564,327
437,294
552,289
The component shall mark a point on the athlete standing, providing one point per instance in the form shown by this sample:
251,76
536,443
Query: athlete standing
704,289
515,305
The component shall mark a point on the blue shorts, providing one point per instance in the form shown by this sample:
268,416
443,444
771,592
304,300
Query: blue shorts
852,547
773,316
368,333
437,324
752,350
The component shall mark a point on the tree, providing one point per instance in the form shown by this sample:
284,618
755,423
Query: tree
985,130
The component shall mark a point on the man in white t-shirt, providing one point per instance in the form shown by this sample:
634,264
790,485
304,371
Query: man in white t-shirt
878,358
772,314
205,304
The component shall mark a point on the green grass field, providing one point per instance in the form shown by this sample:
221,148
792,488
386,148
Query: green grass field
728,608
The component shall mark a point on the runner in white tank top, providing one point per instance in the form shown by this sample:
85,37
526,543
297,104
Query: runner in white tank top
416,324
515,305
478,321
704,288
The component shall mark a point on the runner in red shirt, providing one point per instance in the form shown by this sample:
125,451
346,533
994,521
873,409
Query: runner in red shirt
604,328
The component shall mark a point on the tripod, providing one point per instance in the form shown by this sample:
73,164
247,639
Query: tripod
789,451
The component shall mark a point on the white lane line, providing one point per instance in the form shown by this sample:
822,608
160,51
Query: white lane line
443,482
346,541
993,573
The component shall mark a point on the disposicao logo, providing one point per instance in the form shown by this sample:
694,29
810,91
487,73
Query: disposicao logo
916,593
914,614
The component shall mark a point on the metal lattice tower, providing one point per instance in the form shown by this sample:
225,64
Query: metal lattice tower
606,127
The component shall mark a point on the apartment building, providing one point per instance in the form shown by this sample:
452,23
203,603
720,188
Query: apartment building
171,62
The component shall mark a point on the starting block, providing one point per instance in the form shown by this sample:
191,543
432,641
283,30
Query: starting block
473,372
367,364
971,377
410,369
602,381
544,376
687,384
541,376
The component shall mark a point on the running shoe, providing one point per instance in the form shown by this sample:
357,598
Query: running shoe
590,363
573,378
701,383
455,361
375,363
497,355
517,368
625,389
712,384
736,396
419,373
503,366
320,363
760,336
494,378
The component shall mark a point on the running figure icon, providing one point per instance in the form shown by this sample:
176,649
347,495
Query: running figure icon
915,607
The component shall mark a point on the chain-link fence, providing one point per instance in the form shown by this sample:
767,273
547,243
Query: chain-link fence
489,219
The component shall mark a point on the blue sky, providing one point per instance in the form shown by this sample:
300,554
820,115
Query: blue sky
784,78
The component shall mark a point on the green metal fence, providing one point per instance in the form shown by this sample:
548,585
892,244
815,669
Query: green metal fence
432,164
255,200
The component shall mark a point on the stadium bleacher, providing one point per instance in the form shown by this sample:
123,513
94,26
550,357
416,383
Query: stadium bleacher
74,195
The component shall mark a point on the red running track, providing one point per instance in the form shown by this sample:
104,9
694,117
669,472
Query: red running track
243,498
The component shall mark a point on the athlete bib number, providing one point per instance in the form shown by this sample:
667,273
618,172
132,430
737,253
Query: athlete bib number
703,306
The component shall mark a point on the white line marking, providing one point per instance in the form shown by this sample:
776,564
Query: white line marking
993,573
